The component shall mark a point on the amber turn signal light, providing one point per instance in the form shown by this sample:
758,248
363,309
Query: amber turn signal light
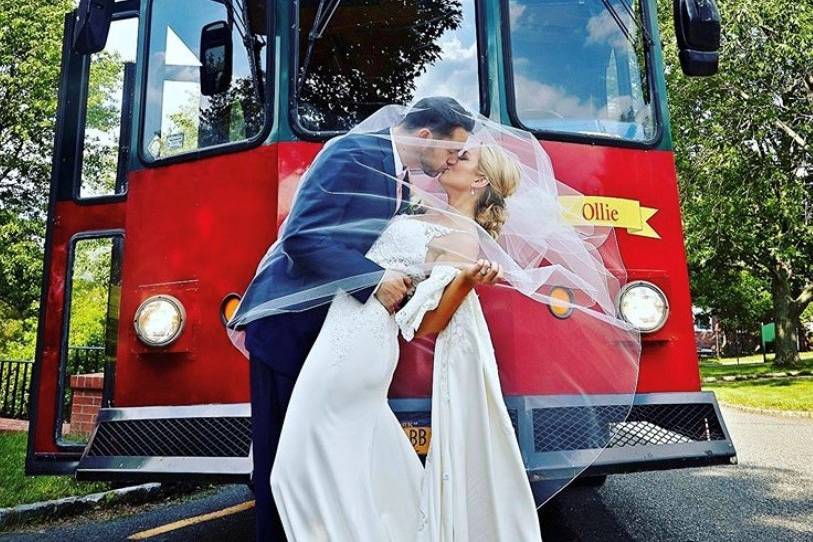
228,307
561,302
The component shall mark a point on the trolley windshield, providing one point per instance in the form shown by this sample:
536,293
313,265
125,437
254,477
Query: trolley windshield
355,57
580,68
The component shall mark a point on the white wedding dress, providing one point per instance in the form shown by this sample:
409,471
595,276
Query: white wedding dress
345,470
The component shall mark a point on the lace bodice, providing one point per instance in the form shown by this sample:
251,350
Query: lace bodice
404,243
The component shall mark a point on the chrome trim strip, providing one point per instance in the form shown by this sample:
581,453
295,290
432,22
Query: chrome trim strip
214,410
169,465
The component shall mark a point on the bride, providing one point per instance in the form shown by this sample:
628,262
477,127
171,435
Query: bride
345,470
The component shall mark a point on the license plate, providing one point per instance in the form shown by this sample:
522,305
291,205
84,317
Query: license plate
419,436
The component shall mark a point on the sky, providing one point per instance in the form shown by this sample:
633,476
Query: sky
455,74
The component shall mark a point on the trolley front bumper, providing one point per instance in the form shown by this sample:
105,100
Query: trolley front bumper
560,437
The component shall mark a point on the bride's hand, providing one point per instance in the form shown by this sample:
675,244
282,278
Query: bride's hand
482,272
392,290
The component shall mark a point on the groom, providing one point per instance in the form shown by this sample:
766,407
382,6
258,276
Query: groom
318,250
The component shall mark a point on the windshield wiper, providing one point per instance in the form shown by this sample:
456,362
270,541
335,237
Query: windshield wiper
638,23
324,12
623,27
253,45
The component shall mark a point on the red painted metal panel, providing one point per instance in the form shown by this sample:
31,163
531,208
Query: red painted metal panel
198,229
69,219
669,360
195,230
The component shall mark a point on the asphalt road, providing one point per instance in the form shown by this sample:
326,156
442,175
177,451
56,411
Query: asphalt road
767,497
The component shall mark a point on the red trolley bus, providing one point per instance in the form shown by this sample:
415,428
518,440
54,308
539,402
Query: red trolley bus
192,120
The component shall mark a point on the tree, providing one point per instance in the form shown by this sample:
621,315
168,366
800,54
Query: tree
205,121
102,120
744,147
30,54
739,299
20,272
89,291
30,50
369,55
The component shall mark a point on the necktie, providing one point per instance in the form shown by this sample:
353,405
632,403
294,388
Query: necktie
401,191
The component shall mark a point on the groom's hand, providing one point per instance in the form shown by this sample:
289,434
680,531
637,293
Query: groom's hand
392,289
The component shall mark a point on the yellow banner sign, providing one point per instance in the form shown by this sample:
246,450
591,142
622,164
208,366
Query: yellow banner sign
604,211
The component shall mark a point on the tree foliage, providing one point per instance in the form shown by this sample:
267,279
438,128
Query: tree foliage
347,78
102,121
30,51
30,55
744,147
20,272
89,291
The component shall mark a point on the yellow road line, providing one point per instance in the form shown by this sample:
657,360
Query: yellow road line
143,535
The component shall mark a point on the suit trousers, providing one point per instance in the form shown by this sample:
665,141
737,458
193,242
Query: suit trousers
270,393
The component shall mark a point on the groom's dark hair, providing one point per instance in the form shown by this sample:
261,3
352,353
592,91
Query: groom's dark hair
440,114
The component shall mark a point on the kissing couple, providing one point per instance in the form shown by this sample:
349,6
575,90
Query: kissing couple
391,229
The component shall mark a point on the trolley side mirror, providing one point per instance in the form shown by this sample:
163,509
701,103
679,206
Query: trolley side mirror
215,58
697,27
93,19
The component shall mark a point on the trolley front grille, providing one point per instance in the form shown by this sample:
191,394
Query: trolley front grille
619,426
173,437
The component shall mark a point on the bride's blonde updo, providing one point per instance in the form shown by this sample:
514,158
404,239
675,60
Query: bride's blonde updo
502,173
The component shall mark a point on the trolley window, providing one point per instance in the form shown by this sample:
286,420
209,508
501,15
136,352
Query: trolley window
179,115
580,68
106,142
355,57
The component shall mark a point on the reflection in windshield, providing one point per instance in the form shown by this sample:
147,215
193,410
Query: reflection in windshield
375,52
178,118
103,156
579,67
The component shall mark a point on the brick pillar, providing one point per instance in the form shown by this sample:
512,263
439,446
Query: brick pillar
87,401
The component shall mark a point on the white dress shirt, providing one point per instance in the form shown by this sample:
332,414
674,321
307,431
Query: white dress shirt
400,173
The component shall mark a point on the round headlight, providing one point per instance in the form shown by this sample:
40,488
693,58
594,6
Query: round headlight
644,306
159,320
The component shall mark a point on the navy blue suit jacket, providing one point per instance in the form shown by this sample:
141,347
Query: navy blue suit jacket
349,184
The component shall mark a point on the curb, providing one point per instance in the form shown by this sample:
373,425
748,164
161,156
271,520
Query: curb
79,504
795,375
770,412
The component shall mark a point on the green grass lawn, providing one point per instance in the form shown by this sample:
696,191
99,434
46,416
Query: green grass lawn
755,358
749,365
17,488
776,394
